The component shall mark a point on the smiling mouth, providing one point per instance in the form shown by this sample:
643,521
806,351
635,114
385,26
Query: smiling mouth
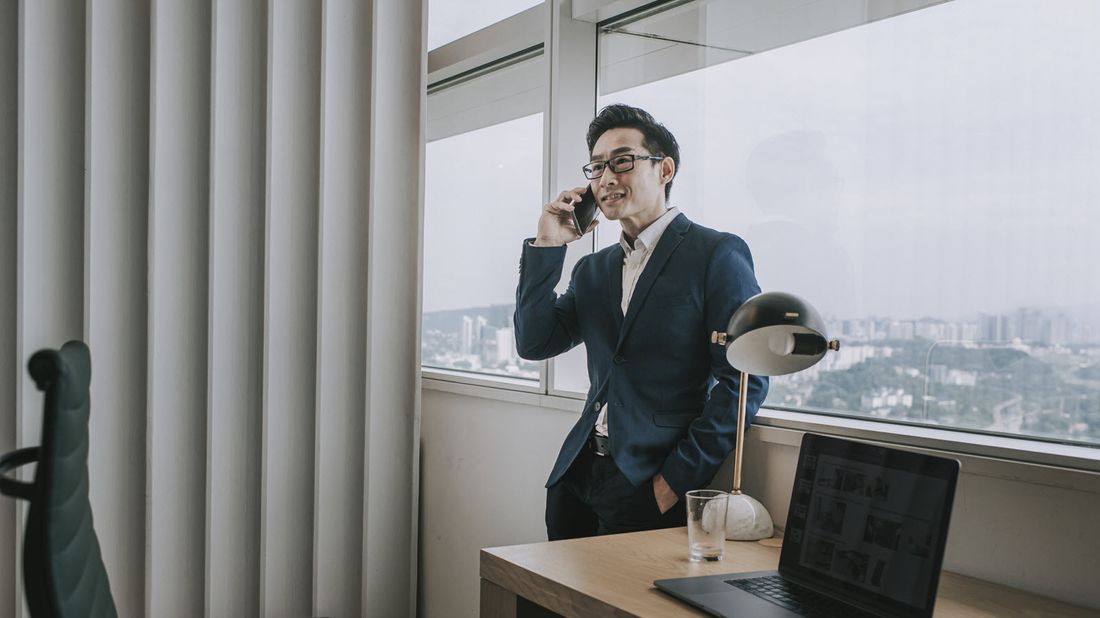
611,197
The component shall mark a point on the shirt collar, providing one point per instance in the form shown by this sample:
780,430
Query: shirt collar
648,237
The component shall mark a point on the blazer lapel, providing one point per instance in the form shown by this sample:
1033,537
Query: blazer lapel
615,283
672,237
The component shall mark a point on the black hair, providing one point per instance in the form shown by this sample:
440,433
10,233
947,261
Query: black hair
655,137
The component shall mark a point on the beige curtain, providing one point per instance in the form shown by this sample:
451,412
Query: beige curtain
223,198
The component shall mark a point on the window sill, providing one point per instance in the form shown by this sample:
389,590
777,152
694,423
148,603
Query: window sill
501,388
1017,459
487,380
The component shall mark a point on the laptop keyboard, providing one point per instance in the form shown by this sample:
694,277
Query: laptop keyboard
796,598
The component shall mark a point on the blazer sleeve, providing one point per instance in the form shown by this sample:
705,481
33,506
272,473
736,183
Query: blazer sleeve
730,281
545,323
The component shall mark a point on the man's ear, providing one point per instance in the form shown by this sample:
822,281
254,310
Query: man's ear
668,169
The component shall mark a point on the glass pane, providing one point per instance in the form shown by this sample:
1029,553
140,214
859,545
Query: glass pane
483,193
928,182
449,20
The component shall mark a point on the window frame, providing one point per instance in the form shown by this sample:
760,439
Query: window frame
567,32
569,48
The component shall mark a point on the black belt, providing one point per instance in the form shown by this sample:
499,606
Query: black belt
600,445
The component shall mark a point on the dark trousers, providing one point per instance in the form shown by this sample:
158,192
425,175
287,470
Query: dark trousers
595,498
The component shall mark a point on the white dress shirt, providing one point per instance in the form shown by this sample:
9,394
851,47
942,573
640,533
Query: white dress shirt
633,265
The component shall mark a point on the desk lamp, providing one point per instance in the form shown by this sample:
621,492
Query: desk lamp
770,334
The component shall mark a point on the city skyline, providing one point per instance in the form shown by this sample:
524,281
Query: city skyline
1021,372
475,335
1027,323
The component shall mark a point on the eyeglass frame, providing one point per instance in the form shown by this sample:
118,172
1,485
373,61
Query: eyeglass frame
607,164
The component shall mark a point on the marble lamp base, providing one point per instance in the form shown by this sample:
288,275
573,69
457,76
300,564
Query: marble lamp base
747,519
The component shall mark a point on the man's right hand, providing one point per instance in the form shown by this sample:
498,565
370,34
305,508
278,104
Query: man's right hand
556,223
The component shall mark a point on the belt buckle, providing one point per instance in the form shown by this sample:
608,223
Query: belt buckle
601,445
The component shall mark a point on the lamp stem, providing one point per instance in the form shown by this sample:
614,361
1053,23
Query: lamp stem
741,397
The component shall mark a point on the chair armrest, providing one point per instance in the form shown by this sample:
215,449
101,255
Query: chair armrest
11,461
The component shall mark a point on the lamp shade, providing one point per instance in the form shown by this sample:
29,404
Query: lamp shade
775,333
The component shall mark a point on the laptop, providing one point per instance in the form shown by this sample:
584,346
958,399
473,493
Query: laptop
865,536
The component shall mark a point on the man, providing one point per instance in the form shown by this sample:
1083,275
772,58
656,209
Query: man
661,413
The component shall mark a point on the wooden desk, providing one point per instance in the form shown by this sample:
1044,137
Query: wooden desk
613,576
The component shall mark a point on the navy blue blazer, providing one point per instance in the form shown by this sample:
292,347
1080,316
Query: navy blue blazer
672,395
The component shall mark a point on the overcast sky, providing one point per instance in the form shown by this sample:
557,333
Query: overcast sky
937,164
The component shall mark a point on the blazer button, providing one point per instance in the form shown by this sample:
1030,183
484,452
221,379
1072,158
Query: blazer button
619,359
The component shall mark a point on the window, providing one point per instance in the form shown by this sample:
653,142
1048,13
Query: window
927,181
483,191
469,294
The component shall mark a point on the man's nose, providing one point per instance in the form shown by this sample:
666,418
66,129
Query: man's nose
609,178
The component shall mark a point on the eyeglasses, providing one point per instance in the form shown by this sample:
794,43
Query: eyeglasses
618,164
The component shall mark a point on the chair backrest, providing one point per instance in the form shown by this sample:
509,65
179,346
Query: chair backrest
62,567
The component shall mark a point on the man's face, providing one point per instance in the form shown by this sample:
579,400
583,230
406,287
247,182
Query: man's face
632,194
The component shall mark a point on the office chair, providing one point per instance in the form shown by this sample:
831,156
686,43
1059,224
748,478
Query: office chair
63,572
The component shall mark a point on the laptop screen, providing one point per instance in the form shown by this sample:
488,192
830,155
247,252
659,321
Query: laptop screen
869,523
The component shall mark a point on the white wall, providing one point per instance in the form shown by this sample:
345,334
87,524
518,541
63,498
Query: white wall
484,463
483,466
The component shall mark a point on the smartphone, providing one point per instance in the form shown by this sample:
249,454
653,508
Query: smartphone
585,211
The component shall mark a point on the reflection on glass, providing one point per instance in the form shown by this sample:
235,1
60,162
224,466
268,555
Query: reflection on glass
449,20
929,185
482,198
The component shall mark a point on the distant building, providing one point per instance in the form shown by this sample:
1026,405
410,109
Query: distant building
1032,326
900,330
506,346
883,400
1061,329
993,328
473,335
936,330
959,377
481,333
467,335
